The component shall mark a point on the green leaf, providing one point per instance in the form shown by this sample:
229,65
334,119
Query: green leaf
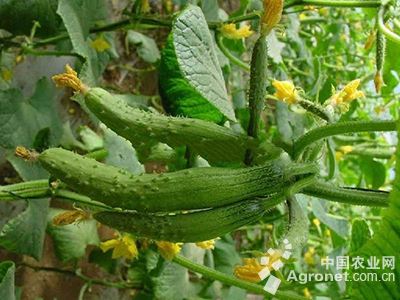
78,16
146,47
171,283
225,255
360,234
70,241
17,16
374,172
21,119
121,153
7,274
25,233
340,226
385,242
193,84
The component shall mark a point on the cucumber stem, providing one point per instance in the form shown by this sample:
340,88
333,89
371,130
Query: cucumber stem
335,3
230,280
353,196
339,128
233,59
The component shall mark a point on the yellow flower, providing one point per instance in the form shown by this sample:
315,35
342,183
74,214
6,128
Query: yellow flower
252,266
285,91
272,14
168,250
349,93
231,32
327,232
6,74
343,151
346,149
249,270
302,16
210,244
309,256
316,222
100,44
70,216
307,293
123,246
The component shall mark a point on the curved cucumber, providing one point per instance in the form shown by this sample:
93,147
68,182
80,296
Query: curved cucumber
189,227
213,142
189,189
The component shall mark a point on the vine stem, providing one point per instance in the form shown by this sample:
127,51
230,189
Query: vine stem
353,196
78,273
336,3
230,280
233,59
41,189
386,31
339,128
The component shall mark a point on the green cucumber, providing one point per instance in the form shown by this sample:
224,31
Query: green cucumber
189,189
213,142
190,227
258,87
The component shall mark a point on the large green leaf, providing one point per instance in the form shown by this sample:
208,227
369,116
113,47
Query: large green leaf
146,47
7,288
18,16
25,233
191,82
70,241
21,119
385,242
78,16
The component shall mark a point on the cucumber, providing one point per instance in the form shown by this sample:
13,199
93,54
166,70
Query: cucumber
189,189
190,227
213,142
258,87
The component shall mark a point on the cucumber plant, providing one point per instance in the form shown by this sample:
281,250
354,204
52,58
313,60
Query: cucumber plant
255,126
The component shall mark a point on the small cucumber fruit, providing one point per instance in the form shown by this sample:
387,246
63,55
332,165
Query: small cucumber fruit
189,189
189,227
258,86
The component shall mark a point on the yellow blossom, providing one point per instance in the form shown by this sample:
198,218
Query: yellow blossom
249,270
272,14
316,222
210,244
168,250
307,293
327,232
285,91
349,93
231,32
309,256
252,266
6,74
70,216
346,149
302,16
100,44
343,151
124,246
